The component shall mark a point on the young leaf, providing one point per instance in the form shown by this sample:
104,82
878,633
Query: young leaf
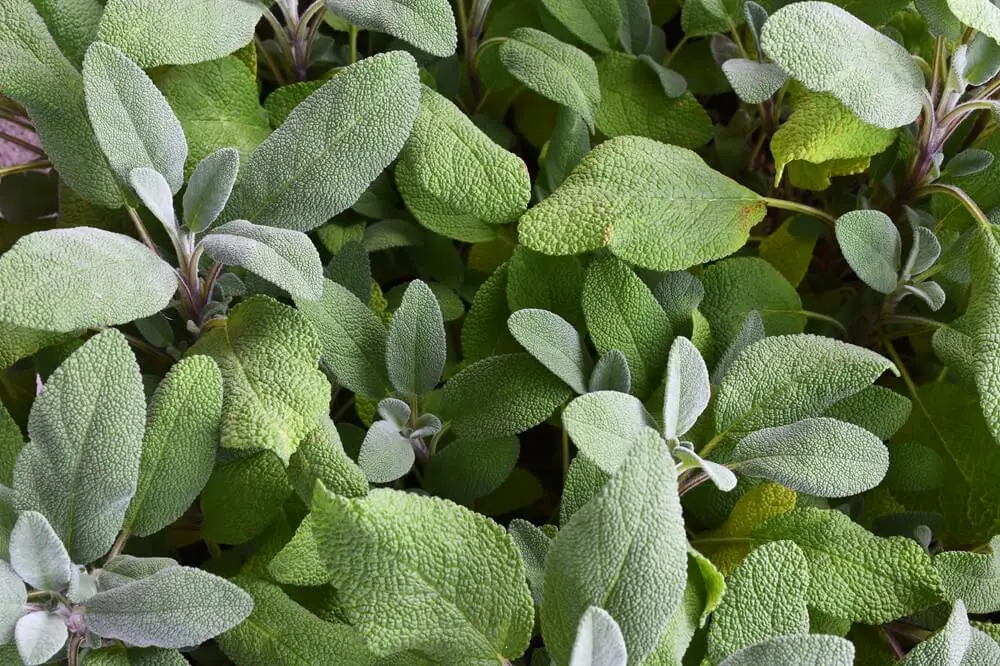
720,475
417,346
924,253
555,70
968,162
178,450
637,25
611,373
631,533
37,554
86,425
929,292
154,191
13,597
173,608
466,469
829,50
133,122
982,59
284,257
643,200
555,343
165,32
679,294
384,553
209,188
594,22
604,424
454,179
599,641
819,649
687,389
752,331
269,401
95,271
754,82
331,147
385,454
819,456
427,24
39,636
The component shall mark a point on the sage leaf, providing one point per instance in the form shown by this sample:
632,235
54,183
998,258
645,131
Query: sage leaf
643,200
385,454
122,569
331,147
982,60
705,17
13,597
467,470
611,373
209,188
539,281
754,82
533,543
86,280
39,636
972,577
948,646
929,292
243,497
427,24
99,385
133,122
555,343
980,15
154,191
417,346
599,641
37,554
119,655
173,608
485,331
73,24
284,257
594,22
674,85
720,475
751,332
637,25
878,410
604,424
321,456
687,389
924,253
829,50
968,162
818,649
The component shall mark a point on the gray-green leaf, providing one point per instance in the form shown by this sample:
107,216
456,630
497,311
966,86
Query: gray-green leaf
417,346
37,554
611,373
555,343
39,636
687,389
154,191
972,577
385,454
209,188
13,597
427,24
595,22
796,650
754,82
599,641
872,247
604,424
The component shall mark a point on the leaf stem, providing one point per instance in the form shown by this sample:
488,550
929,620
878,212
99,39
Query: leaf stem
119,545
21,143
73,649
140,228
27,166
796,207
565,454
959,195
279,76
353,36
12,117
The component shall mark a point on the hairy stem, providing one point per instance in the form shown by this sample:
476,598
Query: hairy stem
797,207
21,143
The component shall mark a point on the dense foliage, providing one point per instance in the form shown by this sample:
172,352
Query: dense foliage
573,332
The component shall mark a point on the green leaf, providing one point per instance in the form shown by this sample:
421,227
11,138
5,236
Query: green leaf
284,257
569,143
647,203
173,608
611,373
218,106
604,424
872,246
705,587
829,50
454,179
154,192
17,343
625,550
679,294
242,498
417,346
13,597
983,316
270,399
940,20
594,22
165,32
11,443
599,641
86,425
384,553
385,454
856,576
972,577
485,331
123,569
539,281
798,650
929,292
178,451
522,394
674,85
622,314
72,23
789,251
783,379
754,82
119,656
706,17
980,15
533,542
877,409
37,554
637,25
634,102
467,470
39,636
209,188
331,147
351,267
321,456
765,597
823,457
757,505
299,562
924,252
353,339
132,120
555,343
687,389
427,24
947,647
553,69
68,279
280,631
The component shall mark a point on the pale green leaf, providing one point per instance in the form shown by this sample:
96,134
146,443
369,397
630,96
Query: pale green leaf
972,577
647,203
877,409
947,647
611,373
720,475
982,60
872,247
331,147
154,192
352,268
569,143
11,443
209,188
37,554
118,655
796,650
924,252
754,82
80,468
981,15
68,279
706,17
467,470
940,20
673,84
604,424
829,50
385,454
427,24
123,569
132,120
705,588
243,497
13,597
178,32
583,481
625,550
485,330
679,294
983,317
594,22
454,179
384,553
178,451
299,562
789,250
39,636
687,389
417,345
17,343
968,162
929,292
321,456
533,543
72,23
751,332
599,641
554,343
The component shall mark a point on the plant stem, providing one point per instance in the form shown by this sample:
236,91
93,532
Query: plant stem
958,194
674,51
797,207
9,138
118,546
140,228
11,117
27,166
73,650
565,454
279,76
353,35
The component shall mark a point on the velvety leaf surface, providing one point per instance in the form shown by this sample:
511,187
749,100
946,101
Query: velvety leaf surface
427,24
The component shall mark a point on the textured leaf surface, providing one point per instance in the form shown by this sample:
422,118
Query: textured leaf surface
469,469
242,498
417,345
539,281
705,17
385,454
331,147
178,32
804,650
687,389
485,330
981,15
983,315
209,188
119,656
972,577
594,22
454,179
555,343
79,470
872,246
13,597
599,641
385,554
178,451
37,554
754,82
427,24
68,279
877,409
647,203
604,424
611,373
321,456
624,550
757,506
299,562
39,636
273,393
72,23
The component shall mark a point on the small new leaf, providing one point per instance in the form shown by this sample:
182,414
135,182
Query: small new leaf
417,346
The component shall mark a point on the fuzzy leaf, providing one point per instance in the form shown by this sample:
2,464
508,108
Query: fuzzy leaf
539,281
242,498
687,389
599,641
321,456
37,554
73,24
485,330
637,25
594,22
929,292
13,597
170,32
209,188
466,469
972,577
872,246
646,202
178,451
154,192
427,24
625,550
947,647
924,252
983,316
981,15
829,50
299,562
86,280
384,553
173,608
417,345
123,569
79,470
673,84
120,656
270,400
331,147
754,82
555,343
604,424
39,636
877,409
705,17
454,179
385,454
804,650
611,373
553,69
533,543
